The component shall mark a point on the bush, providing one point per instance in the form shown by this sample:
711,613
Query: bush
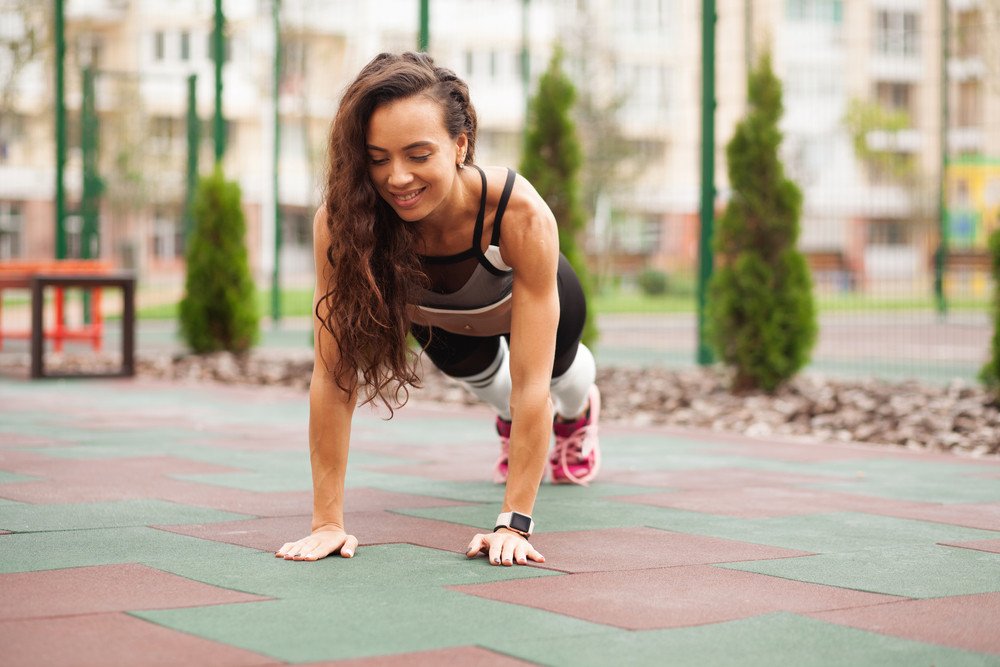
990,374
219,308
760,315
653,282
551,160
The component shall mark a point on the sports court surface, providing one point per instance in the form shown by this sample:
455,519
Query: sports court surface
138,522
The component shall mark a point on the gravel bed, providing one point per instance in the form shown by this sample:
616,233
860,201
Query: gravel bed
960,417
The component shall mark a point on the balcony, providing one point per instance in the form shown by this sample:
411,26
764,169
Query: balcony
970,68
966,140
902,141
897,68
96,11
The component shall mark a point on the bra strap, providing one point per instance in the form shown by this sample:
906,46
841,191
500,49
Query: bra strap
508,187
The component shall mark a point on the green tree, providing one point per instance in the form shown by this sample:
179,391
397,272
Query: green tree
551,160
990,374
761,316
219,309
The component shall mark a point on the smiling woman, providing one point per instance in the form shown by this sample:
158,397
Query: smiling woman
410,241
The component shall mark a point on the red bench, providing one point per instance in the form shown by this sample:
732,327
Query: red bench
17,274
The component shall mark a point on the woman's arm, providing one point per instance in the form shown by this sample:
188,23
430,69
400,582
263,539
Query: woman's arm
330,412
530,244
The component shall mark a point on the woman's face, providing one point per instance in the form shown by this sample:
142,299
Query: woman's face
411,158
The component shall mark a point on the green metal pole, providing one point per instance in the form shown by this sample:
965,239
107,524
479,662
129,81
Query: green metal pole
705,258
60,113
424,41
941,255
193,144
92,186
276,275
90,202
218,53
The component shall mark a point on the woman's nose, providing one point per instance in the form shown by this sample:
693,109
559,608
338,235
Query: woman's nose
399,175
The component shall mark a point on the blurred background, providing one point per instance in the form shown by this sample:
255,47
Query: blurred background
891,129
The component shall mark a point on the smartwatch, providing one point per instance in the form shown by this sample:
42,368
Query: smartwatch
519,523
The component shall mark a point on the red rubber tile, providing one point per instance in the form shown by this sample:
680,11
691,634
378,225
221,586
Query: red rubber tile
370,528
110,640
992,546
121,479
966,622
462,655
670,597
106,588
985,516
392,528
621,549
760,502
63,481
22,440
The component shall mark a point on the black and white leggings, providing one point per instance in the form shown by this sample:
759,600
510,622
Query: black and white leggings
482,364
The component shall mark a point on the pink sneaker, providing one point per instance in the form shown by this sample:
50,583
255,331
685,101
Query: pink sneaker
576,457
500,469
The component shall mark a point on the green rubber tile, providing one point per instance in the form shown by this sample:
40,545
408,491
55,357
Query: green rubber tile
22,517
13,477
399,567
774,639
32,552
357,623
424,430
121,444
928,482
818,533
268,471
913,571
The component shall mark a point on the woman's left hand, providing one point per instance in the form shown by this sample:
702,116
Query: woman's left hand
504,547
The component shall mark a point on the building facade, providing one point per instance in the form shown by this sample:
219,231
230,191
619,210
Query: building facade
862,128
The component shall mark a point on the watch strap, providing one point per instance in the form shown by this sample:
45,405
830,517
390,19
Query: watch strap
517,522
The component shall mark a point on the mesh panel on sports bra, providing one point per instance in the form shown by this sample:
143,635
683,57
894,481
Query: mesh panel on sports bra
451,277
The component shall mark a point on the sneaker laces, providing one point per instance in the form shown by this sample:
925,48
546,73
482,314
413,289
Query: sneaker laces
577,448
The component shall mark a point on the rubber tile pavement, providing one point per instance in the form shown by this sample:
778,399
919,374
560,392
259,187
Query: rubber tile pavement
138,522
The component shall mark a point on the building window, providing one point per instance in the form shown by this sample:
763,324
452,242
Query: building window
816,11
296,226
159,46
470,62
888,232
166,134
11,230
88,50
168,236
185,46
11,133
896,33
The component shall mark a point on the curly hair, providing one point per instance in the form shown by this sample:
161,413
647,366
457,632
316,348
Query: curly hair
375,266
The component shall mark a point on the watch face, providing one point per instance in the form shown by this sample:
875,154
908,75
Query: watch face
520,522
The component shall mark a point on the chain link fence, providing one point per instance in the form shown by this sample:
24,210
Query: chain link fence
891,129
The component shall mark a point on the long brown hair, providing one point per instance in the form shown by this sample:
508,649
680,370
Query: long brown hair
375,266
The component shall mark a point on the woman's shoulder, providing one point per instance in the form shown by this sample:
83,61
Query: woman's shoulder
523,201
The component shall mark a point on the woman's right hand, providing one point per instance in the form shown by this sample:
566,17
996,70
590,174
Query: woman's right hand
320,544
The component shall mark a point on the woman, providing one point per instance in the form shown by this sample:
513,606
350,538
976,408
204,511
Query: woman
410,240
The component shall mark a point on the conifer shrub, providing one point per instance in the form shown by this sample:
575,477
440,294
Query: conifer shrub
653,282
551,160
219,308
990,373
761,319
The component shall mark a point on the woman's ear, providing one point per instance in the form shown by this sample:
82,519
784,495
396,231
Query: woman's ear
461,147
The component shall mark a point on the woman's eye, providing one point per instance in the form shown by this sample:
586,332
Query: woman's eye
422,158
378,161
